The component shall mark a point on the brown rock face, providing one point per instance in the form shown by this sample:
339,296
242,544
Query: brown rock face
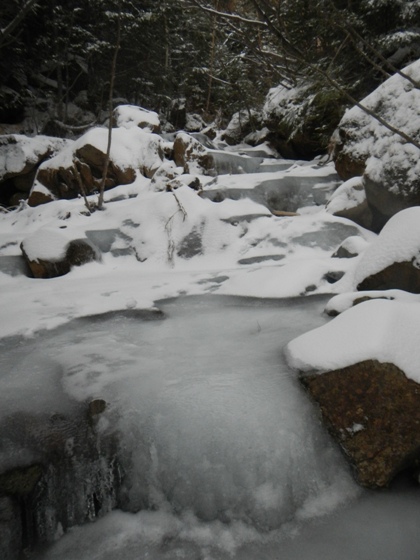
399,276
373,411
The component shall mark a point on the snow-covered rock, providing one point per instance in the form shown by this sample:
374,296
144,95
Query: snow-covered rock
50,253
392,260
19,158
391,165
190,154
362,370
81,162
128,116
349,201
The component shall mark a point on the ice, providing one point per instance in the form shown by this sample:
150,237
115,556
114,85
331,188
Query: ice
225,454
211,422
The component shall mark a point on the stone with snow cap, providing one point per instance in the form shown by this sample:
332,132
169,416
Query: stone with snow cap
50,253
390,165
392,260
362,370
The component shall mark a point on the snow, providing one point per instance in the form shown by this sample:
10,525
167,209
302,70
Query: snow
46,244
398,241
217,425
131,148
348,195
17,151
381,330
129,116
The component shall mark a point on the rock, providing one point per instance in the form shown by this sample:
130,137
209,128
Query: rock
392,260
10,529
389,163
82,163
350,247
388,193
178,113
59,262
301,119
373,411
399,275
190,154
131,115
76,478
349,201
240,125
20,157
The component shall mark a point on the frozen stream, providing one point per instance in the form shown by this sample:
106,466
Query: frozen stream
225,455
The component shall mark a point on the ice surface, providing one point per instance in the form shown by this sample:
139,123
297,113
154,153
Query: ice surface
226,456
212,425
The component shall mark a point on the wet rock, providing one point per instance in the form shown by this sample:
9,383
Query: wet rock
373,410
20,481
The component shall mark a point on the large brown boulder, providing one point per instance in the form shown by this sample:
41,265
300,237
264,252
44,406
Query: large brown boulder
373,411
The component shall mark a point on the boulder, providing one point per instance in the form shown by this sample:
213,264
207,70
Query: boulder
20,156
392,260
390,165
373,411
301,119
190,154
350,247
241,124
49,253
131,115
81,164
361,368
349,201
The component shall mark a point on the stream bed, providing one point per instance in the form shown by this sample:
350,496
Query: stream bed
223,454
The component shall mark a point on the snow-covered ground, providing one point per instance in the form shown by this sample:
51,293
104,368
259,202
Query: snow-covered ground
226,447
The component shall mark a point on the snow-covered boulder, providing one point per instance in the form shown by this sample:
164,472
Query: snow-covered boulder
20,156
132,150
49,252
301,119
362,370
390,164
349,201
392,260
240,125
128,116
350,247
190,154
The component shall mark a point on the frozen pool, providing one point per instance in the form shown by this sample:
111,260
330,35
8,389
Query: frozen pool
224,454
